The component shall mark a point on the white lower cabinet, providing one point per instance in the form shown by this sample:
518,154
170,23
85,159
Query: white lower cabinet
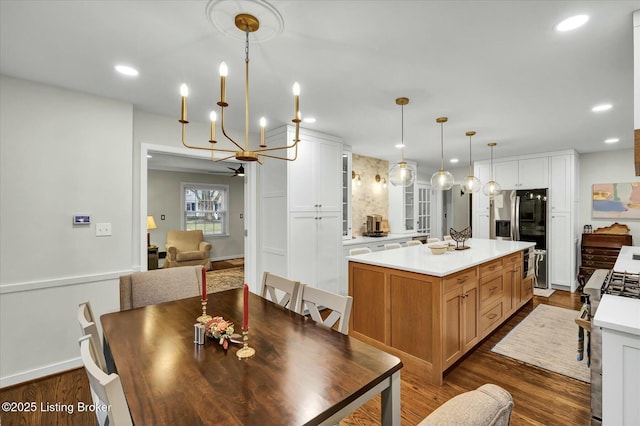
314,249
560,241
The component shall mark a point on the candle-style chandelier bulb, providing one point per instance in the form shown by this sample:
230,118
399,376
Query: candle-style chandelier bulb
491,188
442,180
402,174
471,183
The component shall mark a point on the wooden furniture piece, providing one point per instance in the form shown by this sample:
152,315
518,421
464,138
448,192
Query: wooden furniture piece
313,298
600,251
431,319
302,373
392,246
110,403
88,328
152,258
291,290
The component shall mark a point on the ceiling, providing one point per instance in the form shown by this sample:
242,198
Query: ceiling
496,67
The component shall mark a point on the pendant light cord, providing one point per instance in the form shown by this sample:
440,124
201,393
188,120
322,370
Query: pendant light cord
470,136
402,130
441,146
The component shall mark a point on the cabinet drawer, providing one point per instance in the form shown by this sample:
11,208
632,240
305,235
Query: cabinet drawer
463,277
491,316
513,261
598,263
599,251
491,289
490,267
527,288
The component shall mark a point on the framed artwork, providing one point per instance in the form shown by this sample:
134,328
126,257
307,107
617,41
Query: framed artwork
616,201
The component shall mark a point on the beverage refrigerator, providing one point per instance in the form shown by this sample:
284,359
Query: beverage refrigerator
521,215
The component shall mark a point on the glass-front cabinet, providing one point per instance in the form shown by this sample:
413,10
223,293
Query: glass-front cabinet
424,209
346,195
409,208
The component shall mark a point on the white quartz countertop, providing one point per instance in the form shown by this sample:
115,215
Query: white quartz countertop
369,240
625,261
420,259
618,313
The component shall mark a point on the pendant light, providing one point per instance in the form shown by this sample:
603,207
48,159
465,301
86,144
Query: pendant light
402,174
471,183
442,180
491,188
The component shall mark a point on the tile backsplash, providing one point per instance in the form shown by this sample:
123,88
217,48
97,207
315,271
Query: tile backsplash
367,195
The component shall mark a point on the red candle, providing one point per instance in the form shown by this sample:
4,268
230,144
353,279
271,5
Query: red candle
245,317
204,283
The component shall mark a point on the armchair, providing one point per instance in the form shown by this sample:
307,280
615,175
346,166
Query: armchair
186,248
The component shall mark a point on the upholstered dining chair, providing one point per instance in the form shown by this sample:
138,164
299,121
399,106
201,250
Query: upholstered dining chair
433,240
359,250
88,328
106,389
159,285
391,246
271,283
447,238
414,243
313,299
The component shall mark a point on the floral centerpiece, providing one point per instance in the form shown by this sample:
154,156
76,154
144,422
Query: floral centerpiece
220,329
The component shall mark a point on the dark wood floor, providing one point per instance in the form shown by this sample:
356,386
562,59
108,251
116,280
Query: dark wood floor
541,397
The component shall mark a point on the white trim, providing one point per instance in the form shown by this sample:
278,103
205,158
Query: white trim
61,282
41,372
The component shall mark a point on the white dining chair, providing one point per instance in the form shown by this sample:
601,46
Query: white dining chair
433,240
106,389
88,328
391,246
273,284
314,300
359,250
414,243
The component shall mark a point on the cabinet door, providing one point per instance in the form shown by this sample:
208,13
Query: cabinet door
561,246
470,306
327,173
506,174
533,173
302,247
328,250
452,327
560,188
481,226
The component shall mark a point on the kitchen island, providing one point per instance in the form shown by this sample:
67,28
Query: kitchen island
430,310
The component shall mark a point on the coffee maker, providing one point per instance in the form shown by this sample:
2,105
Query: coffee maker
374,226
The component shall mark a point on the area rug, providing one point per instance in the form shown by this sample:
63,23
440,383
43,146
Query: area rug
225,279
547,338
544,292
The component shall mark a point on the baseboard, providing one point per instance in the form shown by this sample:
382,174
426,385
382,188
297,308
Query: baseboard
41,372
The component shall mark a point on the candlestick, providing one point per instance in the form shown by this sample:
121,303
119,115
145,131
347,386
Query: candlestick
245,351
296,102
184,92
204,283
204,318
245,316
263,123
213,117
223,84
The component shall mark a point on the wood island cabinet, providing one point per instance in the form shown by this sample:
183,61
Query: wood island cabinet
429,321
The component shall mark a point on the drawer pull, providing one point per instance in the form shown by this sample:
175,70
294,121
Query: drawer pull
461,280
492,289
492,267
492,316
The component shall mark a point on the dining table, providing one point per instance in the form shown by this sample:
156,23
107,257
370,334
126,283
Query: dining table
302,373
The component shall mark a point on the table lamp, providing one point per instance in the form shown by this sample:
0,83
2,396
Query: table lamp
151,224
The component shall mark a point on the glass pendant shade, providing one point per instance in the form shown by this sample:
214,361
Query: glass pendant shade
402,174
471,185
491,188
442,180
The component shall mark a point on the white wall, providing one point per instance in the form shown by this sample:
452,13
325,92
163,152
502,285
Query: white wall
606,167
163,197
61,153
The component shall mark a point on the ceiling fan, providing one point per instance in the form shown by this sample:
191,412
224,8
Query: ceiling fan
236,172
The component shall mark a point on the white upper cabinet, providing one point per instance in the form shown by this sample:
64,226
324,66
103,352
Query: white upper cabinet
403,207
315,178
561,193
528,173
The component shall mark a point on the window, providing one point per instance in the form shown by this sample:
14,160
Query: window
205,207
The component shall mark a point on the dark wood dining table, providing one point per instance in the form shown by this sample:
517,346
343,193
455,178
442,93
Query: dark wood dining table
301,374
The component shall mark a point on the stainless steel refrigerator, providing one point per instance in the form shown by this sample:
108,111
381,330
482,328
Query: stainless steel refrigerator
521,215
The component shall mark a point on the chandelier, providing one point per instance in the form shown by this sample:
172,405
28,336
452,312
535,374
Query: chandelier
471,183
402,174
248,24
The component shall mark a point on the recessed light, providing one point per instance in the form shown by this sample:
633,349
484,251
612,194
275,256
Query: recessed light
399,145
149,156
454,160
611,140
602,107
309,120
126,70
572,23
